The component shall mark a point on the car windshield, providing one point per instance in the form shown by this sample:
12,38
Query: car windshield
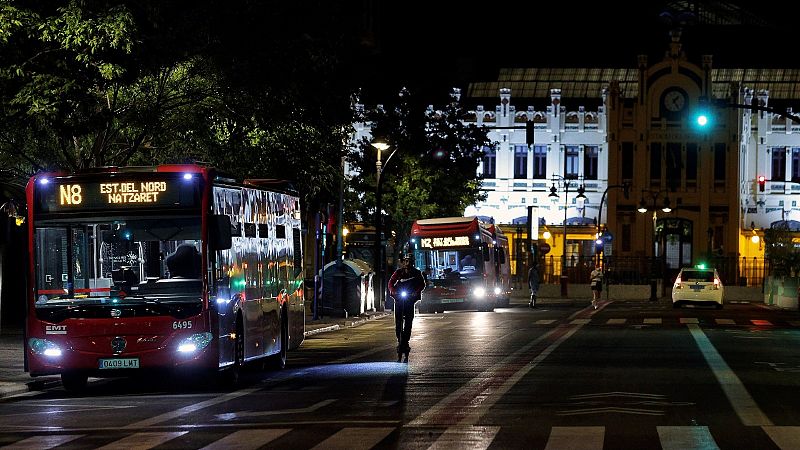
120,262
698,275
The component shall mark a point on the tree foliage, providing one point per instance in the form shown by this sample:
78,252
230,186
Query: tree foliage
430,169
255,88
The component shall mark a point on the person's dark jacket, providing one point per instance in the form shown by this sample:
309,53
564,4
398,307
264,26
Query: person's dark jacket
408,280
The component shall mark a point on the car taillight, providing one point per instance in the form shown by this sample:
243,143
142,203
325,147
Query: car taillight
716,283
677,283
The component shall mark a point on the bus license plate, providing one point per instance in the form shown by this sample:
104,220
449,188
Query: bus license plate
452,300
119,363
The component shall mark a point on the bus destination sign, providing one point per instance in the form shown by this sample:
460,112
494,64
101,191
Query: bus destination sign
442,242
73,196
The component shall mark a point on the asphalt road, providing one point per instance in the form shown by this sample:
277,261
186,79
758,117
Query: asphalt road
628,375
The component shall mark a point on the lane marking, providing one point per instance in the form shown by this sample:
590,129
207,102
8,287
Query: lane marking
459,438
786,438
544,322
725,321
576,438
312,408
142,441
247,439
43,442
686,438
467,404
354,439
652,320
689,320
744,405
616,321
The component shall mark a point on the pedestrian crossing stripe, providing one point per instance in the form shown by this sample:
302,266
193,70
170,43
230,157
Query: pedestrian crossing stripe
455,437
661,321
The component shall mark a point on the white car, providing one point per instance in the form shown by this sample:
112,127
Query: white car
698,285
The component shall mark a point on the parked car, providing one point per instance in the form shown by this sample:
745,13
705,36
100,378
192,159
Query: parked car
698,285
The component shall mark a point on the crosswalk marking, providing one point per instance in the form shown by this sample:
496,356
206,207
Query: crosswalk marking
784,437
43,442
652,320
142,441
460,437
544,321
454,437
725,321
689,320
576,438
580,321
616,321
354,439
686,438
247,439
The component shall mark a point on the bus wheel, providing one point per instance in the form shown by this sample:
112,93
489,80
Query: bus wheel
74,382
278,360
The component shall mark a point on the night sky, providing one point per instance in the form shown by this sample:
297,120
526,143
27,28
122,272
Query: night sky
433,46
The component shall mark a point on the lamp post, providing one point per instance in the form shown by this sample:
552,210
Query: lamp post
643,209
554,196
379,259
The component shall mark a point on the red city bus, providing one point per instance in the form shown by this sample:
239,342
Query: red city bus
465,262
171,267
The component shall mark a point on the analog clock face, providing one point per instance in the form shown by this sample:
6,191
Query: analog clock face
674,100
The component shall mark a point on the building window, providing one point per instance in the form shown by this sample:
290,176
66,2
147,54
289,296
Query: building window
571,156
778,164
489,162
796,165
627,161
655,163
520,161
539,161
691,164
590,157
626,237
719,162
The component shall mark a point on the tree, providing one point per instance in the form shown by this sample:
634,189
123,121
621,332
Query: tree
779,249
433,172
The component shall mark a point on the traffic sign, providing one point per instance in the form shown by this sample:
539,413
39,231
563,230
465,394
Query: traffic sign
544,248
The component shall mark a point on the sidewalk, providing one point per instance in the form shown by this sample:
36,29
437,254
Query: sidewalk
14,379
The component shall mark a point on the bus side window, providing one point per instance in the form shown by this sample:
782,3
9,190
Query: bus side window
220,232
485,249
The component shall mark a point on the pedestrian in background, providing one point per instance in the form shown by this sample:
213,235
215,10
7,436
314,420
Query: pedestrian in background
405,286
597,284
533,284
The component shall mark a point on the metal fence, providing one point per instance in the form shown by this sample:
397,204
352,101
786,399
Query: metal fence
733,271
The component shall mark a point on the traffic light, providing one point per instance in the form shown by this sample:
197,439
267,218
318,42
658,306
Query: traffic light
762,183
702,116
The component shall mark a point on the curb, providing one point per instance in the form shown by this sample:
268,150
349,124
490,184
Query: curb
347,324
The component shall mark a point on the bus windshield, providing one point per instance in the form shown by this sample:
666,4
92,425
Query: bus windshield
120,261
451,264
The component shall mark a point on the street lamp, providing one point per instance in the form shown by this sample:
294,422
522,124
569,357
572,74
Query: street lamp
643,208
554,197
379,259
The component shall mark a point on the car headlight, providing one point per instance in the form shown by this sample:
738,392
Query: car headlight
195,342
497,290
479,292
44,347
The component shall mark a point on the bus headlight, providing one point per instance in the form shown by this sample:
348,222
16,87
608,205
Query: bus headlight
403,294
195,342
44,347
479,292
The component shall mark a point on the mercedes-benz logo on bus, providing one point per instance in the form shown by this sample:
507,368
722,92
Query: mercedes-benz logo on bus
116,313
118,344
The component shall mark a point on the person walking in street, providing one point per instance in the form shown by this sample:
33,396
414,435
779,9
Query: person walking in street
533,284
405,286
596,278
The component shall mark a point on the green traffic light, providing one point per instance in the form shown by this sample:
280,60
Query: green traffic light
702,120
